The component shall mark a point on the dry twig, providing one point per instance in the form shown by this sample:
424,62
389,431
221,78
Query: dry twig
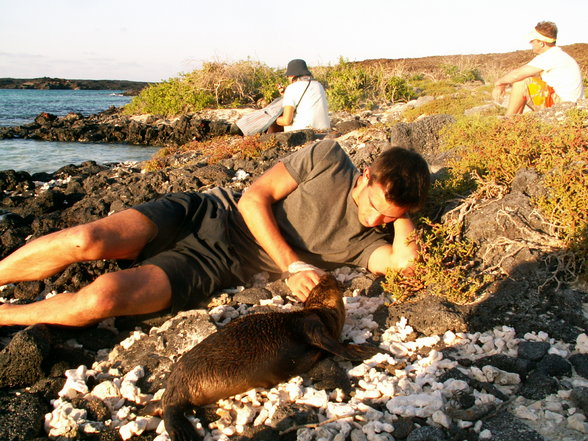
315,425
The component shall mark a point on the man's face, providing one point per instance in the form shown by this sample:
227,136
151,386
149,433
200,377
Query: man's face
374,209
536,46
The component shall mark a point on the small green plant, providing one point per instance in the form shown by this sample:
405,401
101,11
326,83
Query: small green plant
397,89
444,267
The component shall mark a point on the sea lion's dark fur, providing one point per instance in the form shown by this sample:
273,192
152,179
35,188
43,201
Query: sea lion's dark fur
258,350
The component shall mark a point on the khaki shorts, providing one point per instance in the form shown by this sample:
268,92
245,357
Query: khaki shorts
539,94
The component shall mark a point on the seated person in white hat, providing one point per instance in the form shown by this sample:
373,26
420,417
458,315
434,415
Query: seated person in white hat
305,102
551,77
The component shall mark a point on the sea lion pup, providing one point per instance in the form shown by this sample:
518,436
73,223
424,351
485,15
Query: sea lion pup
257,350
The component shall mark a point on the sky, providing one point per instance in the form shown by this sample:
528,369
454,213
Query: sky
152,40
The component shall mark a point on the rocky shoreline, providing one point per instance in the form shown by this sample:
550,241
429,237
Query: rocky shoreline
46,83
513,365
111,126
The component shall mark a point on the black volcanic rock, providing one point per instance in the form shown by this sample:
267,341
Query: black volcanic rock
22,415
21,362
111,126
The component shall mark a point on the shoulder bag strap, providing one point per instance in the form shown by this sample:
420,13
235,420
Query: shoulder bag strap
301,96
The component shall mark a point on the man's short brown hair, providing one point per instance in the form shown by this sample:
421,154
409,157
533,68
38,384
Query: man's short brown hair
404,176
547,28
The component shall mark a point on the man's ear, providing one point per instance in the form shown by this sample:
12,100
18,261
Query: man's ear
367,174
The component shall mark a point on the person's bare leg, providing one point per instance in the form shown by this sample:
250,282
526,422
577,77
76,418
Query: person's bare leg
139,290
518,98
119,236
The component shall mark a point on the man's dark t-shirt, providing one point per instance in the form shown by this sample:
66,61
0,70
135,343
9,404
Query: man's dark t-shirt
319,219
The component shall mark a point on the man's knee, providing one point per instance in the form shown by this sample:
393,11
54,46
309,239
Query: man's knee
87,241
103,298
140,290
519,87
120,236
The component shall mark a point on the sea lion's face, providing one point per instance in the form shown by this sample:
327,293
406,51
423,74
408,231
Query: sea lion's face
326,294
372,206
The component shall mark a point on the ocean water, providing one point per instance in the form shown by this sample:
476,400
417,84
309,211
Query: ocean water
18,107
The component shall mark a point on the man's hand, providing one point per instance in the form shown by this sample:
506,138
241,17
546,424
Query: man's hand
303,278
512,77
498,93
301,283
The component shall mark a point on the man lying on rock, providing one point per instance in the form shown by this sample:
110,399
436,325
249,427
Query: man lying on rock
312,210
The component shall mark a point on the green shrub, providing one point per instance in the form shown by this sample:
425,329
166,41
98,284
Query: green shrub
350,86
215,85
487,153
171,97
347,86
398,89
458,75
496,149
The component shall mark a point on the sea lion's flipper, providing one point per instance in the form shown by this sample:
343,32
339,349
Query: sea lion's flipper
318,335
153,408
359,352
177,425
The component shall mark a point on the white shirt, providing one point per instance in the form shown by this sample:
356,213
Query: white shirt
313,111
561,72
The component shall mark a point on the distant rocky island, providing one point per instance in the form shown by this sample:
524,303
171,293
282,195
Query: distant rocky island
46,83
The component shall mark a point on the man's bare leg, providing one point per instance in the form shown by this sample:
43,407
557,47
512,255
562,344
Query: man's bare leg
139,290
518,98
119,236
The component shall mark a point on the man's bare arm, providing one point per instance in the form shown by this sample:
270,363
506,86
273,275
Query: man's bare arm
256,208
519,74
287,117
513,76
401,254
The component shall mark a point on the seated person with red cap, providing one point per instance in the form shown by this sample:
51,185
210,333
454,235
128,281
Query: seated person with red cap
305,103
551,77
